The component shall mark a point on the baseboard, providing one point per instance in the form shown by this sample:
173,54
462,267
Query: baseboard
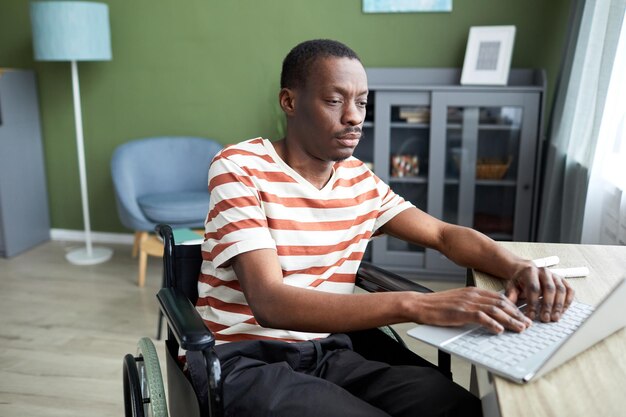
96,237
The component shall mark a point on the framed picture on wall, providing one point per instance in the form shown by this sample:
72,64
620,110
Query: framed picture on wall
488,55
406,6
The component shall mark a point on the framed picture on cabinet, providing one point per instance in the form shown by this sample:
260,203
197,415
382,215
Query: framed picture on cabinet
488,55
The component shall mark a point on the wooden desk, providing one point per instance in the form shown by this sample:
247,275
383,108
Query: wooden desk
591,384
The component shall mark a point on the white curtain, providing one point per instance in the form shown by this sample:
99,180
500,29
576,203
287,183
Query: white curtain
577,118
605,210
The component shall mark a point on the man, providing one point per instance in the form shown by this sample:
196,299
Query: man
286,230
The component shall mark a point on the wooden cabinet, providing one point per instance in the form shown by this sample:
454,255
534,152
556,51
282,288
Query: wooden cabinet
465,154
24,217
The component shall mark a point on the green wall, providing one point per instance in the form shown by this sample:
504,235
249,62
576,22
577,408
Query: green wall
210,68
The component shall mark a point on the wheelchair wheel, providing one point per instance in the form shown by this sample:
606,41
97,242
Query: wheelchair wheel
151,386
389,331
133,403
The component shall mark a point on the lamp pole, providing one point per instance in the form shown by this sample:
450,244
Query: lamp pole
87,255
80,147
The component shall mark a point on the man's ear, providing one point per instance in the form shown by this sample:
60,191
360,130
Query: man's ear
287,101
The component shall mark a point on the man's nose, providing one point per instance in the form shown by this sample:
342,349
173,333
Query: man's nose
353,114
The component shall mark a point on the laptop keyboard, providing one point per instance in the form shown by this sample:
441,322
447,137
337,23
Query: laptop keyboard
509,348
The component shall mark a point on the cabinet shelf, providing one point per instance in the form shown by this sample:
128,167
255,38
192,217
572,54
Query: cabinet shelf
498,127
405,125
500,236
459,126
497,183
487,183
409,180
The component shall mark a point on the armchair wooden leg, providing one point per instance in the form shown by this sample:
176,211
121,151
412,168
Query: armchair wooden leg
143,260
148,245
138,237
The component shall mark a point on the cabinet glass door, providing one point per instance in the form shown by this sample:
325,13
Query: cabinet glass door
488,157
485,185
496,171
402,161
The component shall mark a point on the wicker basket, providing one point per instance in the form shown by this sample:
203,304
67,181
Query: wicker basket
487,168
492,169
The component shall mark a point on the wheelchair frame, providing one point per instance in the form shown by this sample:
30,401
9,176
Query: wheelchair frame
199,392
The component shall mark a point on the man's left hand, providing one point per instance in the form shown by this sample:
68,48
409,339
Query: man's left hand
548,295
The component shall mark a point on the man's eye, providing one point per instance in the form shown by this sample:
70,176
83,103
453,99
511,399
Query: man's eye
332,101
362,103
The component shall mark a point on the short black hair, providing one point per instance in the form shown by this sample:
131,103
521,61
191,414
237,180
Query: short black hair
300,59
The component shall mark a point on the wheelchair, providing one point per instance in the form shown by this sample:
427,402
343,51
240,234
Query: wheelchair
198,391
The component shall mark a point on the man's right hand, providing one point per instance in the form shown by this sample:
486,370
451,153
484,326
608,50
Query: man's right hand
470,305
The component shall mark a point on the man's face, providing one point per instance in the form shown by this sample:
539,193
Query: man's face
329,109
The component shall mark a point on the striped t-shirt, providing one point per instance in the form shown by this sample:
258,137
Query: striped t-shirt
258,202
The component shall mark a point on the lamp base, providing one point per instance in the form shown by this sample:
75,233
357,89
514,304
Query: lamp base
81,257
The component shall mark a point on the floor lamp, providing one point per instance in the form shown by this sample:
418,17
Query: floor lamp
74,31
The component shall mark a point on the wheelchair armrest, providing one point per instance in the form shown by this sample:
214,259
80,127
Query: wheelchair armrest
184,320
166,233
374,279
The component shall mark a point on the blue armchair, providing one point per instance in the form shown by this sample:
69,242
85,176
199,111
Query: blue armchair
161,180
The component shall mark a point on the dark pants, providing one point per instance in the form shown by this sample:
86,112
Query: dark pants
327,378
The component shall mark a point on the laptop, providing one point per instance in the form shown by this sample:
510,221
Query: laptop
522,357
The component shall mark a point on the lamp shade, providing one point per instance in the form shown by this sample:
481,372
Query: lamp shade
70,31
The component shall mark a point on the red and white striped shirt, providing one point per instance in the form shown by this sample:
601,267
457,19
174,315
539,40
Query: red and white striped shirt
258,202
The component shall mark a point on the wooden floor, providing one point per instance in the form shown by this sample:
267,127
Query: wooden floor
64,330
